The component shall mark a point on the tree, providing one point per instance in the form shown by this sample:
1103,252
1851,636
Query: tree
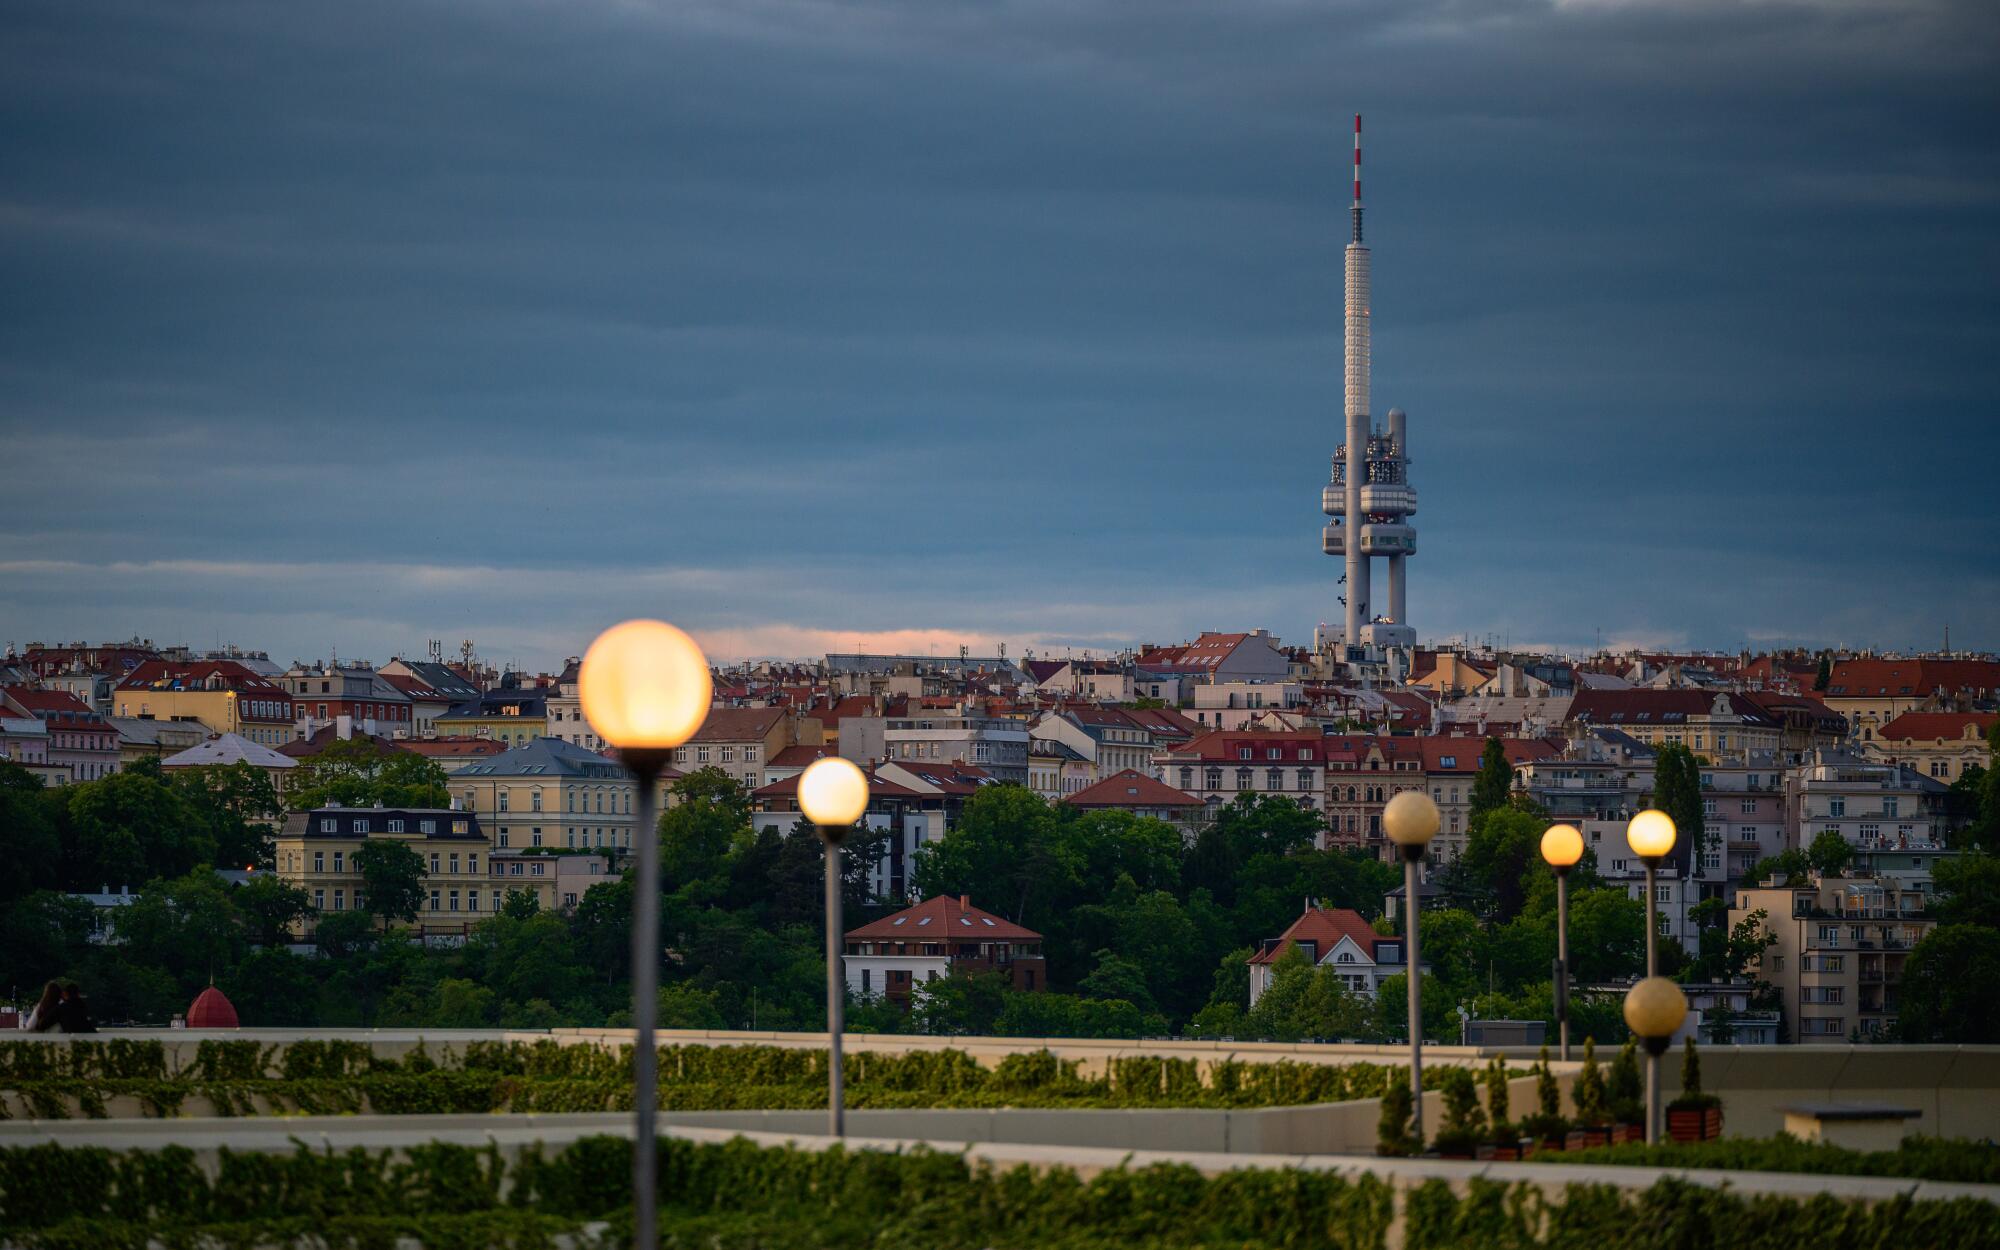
1500,854
1948,986
1825,673
1829,853
128,828
1786,864
1493,785
188,927
1009,854
697,833
959,1003
1677,792
1968,887
1607,934
393,876
271,908
362,772
30,840
238,805
1114,977
273,988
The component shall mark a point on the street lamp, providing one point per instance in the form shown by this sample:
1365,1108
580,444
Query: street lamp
645,689
833,794
1654,1008
1411,821
1562,847
1651,835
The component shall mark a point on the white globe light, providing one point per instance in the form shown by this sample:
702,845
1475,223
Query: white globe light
1562,846
1655,1007
1650,834
1410,819
833,792
644,684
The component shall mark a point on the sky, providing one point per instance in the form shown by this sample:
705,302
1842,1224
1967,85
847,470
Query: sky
904,326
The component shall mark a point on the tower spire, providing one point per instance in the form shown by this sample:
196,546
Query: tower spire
1357,177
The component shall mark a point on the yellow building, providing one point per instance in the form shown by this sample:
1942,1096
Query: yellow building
223,695
550,793
316,852
1841,942
1940,745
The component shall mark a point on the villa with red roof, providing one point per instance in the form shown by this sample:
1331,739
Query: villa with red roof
892,956
1331,937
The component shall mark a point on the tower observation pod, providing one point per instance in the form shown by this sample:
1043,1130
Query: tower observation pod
1369,497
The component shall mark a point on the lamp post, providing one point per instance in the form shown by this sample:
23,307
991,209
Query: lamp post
833,794
645,689
1651,835
1654,1008
1562,847
1411,821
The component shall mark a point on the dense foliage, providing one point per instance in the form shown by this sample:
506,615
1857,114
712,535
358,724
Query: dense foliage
741,1195
1920,1158
341,1077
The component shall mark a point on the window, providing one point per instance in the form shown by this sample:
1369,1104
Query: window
434,861
867,986
428,827
434,900
328,826
1747,807
361,826
395,826
454,863
340,900
535,801
1243,778
472,864
319,861
1836,807
1274,779
319,900
338,861
1663,894
538,869
454,900
503,837
503,800
1891,806
1242,753
1830,934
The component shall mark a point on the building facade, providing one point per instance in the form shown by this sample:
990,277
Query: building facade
892,956
1841,944
316,852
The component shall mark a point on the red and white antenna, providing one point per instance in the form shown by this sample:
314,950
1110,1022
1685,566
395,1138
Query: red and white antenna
1357,177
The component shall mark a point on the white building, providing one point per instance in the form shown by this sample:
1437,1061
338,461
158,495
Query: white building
996,744
1336,938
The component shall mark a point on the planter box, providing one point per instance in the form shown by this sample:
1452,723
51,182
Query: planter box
1696,1124
1547,1145
1504,1154
1628,1133
1585,1138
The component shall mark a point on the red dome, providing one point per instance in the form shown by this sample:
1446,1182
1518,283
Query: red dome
211,1011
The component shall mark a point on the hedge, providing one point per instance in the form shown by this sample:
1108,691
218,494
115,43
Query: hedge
342,1077
1920,1158
742,1195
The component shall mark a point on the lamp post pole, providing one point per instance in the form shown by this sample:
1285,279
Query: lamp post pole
645,765
1412,856
836,989
1562,961
1652,918
833,795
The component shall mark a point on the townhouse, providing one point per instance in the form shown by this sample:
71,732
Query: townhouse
225,696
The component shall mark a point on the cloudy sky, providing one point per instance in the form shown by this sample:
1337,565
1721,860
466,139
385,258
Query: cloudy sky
811,324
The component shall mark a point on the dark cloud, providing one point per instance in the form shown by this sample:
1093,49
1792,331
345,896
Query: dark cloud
1010,320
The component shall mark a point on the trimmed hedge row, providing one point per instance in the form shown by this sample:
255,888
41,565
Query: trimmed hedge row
1920,1158
741,1195
246,1078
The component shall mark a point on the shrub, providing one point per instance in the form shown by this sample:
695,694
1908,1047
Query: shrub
1393,1136
1464,1123
1497,1109
1691,1098
1546,1122
1625,1091
1588,1092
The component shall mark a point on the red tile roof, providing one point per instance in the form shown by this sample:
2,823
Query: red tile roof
738,724
878,788
1929,726
45,702
453,748
798,756
1324,927
1879,679
194,676
1131,788
943,919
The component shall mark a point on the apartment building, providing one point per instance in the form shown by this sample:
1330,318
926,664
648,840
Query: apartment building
1138,793
558,882
1841,945
742,740
1872,692
1940,745
1252,656
76,744
1056,769
996,745
1113,739
324,694
315,852
224,695
513,713
1717,724
1233,704
1218,767
1871,803
1449,766
550,794
892,956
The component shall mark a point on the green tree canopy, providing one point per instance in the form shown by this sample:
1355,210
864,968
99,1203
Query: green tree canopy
362,772
1829,853
393,876
1493,784
1968,888
1948,986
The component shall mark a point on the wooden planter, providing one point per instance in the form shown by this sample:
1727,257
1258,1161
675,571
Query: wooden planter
1628,1133
1695,1124
1505,1154
1588,1136
1548,1144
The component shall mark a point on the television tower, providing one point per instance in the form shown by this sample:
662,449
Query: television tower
1369,497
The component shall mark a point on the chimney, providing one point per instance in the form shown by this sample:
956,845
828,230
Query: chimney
965,901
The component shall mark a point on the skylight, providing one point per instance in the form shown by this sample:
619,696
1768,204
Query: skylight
921,923
899,920
988,922
966,921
